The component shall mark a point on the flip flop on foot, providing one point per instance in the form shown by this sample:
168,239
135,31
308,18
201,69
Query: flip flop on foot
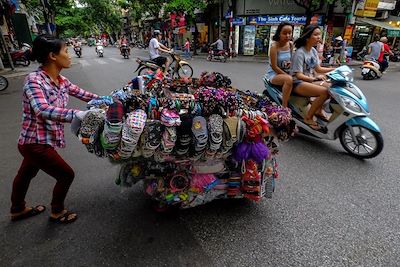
63,217
313,125
27,213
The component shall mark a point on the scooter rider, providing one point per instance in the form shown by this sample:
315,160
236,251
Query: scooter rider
218,45
154,47
124,42
306,82
383,62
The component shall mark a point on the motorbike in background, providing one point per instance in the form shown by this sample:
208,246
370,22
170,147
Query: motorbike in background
220,55
99,50
371,70
348,115
177,67
21,56
125,51
78,50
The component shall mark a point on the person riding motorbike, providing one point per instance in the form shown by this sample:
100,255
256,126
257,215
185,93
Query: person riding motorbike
375,48
383,62
154,47
123,42
78,44
306,82
217,46
280,60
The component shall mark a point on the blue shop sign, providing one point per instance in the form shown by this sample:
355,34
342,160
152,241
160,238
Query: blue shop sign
267,20
239,21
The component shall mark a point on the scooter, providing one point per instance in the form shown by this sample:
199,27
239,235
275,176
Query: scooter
221,55
371,70
100,50
349,115
177,67
78,51
125,51
21,57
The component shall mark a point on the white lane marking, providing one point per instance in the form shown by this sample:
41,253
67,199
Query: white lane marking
117,60
100,61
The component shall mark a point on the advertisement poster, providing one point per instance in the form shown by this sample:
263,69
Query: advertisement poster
249,39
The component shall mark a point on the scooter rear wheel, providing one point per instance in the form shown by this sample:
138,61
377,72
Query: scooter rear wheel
369,143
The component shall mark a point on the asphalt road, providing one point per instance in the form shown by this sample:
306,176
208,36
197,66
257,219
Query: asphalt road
329,209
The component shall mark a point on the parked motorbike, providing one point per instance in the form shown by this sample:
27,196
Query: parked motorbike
99,50
178,67
371,70
220,55
349,115
78,51
125,51
21,56
3,83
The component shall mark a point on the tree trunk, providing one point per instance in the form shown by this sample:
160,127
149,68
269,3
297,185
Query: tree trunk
309,15
195,36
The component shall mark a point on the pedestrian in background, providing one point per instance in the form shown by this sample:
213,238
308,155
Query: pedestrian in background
45,97
187,48
337,50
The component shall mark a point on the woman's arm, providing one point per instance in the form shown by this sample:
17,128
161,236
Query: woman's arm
273,54
303,77
320,69
79,93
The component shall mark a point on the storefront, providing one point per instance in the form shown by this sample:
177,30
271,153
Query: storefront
253,34
366,28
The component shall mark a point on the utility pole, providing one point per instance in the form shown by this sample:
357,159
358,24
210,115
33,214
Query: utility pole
220,19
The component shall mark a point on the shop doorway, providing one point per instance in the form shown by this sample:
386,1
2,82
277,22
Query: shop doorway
262,40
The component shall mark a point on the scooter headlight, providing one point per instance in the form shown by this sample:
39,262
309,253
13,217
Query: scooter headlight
351,104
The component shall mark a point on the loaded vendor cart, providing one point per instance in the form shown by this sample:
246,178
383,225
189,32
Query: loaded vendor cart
188,141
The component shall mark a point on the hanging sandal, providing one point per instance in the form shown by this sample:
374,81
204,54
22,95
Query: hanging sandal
64,218
32,212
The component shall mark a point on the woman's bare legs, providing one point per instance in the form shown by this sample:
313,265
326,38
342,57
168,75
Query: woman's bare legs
286,81
312,90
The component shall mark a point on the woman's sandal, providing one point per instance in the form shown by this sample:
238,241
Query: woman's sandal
32,212
64,218
313,125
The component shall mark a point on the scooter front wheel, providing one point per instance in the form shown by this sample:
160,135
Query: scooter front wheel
185,71
367,143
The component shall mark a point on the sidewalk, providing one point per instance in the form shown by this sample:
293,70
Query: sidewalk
261,59
18,71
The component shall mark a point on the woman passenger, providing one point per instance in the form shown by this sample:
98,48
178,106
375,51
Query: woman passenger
280,59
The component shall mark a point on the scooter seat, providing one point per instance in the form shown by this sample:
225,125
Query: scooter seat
279,88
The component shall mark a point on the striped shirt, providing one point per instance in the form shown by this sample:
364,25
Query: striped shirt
44,108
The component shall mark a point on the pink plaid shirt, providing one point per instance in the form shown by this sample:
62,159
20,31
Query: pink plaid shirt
44,108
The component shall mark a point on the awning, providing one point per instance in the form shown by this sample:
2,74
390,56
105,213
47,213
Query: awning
392,31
